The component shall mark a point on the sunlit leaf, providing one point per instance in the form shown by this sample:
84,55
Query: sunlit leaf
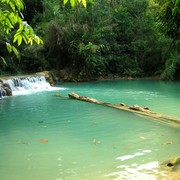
17,34
30,40
10,17
24,39
9,47
72,2
65,1
19,40
12,6
84,3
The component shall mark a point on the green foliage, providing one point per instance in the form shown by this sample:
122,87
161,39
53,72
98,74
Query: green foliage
176,9
93,62
33,59
170,17
11,19
171,65
11,48
103,39
122,38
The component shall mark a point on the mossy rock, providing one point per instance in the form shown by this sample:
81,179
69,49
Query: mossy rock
172,164
48,75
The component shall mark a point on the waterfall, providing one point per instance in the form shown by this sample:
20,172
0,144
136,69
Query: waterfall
25,85
2,92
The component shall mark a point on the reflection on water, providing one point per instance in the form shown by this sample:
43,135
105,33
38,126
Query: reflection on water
137,170
44,137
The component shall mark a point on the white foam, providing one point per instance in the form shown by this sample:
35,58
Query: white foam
126,157
123,158
31,91
148,166
136,172
29,85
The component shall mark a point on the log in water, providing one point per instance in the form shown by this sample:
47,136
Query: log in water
134,108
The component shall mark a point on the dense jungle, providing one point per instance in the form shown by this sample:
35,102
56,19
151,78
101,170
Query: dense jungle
99,39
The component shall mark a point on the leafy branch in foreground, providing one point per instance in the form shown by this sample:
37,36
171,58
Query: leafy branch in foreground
11,19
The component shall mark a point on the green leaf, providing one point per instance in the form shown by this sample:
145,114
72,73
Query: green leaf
176,10
9,47
84,3
19,5
4,61
15,39
65,1
12,6
72,2
19,40
25,38
17,34
16,52
177,2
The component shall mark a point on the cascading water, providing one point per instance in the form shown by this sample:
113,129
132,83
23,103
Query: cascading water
2,92
26,85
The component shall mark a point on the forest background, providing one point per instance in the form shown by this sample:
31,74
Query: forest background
107,38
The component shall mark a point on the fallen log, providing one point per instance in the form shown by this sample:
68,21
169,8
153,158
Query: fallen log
144,111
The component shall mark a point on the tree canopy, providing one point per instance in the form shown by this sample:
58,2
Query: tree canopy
94,38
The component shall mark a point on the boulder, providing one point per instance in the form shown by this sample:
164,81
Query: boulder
8,90
67,75
136,107
73,95
5,89
1,92
48,75
172,165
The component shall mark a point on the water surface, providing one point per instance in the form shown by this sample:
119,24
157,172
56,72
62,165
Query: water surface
44,137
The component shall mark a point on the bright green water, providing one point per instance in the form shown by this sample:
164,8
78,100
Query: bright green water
88,141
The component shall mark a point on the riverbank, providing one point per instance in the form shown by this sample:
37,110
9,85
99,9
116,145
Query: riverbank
66,75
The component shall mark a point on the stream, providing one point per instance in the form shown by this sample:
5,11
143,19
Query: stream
44,137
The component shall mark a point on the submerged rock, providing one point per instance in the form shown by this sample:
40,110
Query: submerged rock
57,95
168,142
96,142
43,140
